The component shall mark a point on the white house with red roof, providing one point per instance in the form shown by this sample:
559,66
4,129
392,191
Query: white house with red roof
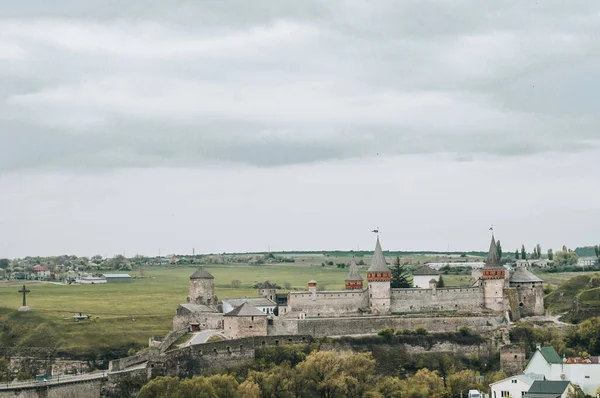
41,272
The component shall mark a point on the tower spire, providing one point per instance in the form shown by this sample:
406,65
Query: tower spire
493,260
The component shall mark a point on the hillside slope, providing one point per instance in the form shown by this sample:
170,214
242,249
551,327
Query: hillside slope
578,298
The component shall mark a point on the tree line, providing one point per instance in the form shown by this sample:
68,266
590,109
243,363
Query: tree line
323,374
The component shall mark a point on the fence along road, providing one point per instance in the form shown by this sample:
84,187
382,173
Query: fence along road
53,382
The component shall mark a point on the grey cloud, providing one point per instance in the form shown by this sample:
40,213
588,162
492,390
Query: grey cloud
137,84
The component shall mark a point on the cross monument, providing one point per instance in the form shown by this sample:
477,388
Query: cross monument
24,307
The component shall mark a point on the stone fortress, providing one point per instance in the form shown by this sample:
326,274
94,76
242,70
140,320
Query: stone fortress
496,293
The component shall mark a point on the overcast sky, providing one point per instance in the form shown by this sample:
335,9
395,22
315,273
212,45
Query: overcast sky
132,126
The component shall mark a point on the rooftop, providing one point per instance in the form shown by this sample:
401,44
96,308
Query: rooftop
245,309
201,273
267,285
255,301
198,308
116,275
526,378
550,355
522,275
426,270
547,388
353,274
378,263
493,258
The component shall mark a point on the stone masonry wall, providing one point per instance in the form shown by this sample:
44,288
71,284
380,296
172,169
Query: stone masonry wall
236,327
532,299
207,320
372,324
89,389
429,300
283,326
191,360
140,357
329,303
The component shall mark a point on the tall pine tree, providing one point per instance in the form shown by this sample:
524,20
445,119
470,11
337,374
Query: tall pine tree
441,282
516,254
499,249
523,253
399,275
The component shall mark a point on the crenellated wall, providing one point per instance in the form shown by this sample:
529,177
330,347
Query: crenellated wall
372,324
328,303
191,360
464,298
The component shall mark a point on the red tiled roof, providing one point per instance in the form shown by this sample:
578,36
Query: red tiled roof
41,269
582,360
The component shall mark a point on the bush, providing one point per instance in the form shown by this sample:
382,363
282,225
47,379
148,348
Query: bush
465,331
420,330
236,283
387,333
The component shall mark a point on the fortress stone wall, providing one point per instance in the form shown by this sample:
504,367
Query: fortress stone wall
372,324
88,389
496,292
465,298
328,303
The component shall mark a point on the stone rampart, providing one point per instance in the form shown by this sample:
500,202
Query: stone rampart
465,298
323,327
192,360
170,339
140,357
87,389
329,303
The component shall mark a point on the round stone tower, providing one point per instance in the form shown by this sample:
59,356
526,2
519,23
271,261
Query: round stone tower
493,280
379,277
354,280
202,288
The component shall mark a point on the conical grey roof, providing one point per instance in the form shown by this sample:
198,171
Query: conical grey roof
493,260
201,273
378,263
267,285
353,274
521,275
245,309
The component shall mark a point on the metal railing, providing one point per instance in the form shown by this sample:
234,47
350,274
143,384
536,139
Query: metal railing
60,379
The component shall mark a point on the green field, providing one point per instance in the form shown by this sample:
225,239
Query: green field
126,315
129,313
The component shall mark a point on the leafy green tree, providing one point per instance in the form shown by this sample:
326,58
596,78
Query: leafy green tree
390,387
196,387
322,370
499,249
225,385
400,277
538,249
249,389
596,250
523,253
463,381
4,263
517,254
550,255
161,387
565,258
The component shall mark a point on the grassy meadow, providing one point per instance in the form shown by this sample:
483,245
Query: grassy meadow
125,315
